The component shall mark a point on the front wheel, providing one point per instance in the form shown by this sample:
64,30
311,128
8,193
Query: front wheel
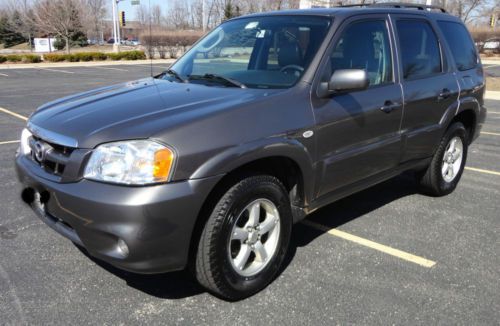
245,239
445,170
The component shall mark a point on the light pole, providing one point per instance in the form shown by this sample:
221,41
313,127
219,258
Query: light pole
116,27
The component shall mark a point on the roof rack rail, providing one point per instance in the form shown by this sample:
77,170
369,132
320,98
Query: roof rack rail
397,5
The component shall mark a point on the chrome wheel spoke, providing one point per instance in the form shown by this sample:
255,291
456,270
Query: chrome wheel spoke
268,224
254,214
260,252
444,168
239,234
242,258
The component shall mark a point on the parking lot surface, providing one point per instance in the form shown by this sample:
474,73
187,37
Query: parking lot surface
387,255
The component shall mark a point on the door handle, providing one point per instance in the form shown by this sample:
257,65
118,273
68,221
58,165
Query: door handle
445,93
389,106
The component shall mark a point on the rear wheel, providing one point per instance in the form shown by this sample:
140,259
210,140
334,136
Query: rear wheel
445,170
245,239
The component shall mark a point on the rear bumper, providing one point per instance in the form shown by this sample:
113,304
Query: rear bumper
155,222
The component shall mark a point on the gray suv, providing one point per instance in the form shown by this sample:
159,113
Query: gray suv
266,119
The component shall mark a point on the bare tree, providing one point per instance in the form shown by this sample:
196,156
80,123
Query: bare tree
58,17
156,15
466,10
93,18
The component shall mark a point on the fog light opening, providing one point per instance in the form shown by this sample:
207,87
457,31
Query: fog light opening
28,195
122,248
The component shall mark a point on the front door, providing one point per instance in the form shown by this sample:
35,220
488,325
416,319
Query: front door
358,133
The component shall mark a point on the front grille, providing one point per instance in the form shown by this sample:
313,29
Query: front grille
51,157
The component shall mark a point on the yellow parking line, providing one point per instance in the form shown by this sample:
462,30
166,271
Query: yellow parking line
373,245
482,171
9,142
489,133
14,114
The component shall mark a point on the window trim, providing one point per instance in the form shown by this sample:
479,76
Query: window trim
440,47
338,34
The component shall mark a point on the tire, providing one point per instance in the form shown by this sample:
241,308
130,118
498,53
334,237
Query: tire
433,181
219,255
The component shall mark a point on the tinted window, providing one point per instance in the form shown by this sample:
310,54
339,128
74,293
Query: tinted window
419,49
365,45
461,46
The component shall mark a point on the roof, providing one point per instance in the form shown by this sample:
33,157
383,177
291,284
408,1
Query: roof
395,8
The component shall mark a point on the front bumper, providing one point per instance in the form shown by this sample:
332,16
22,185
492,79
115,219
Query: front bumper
155,222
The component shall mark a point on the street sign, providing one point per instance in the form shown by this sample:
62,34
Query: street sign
136,2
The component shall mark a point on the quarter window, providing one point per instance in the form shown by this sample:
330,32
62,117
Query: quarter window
419,49
461,46
365,45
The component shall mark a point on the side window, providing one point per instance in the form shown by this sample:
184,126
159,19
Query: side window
365,45
419,49
461,46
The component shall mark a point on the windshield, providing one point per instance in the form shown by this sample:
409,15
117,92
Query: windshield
254,52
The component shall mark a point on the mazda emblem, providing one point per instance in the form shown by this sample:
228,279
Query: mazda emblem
39,151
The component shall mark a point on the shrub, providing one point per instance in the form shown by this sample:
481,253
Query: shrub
31,58
95,56
25,58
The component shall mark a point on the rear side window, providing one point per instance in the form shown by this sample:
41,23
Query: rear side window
461,46
419,49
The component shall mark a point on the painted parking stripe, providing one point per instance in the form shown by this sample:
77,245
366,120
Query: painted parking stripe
57,70
483,171
107,68
492,95
5,75
14,114
9,142
489,133
373,245
489,112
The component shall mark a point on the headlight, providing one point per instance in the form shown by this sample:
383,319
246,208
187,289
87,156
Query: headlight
24,145
135,162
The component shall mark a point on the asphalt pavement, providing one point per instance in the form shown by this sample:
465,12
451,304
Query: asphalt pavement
348,264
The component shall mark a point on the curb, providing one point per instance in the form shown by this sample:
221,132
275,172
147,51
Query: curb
84,64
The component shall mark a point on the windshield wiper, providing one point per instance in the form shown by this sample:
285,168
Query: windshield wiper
176,75
220,78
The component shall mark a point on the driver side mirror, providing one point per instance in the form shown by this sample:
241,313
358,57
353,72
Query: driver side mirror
344,80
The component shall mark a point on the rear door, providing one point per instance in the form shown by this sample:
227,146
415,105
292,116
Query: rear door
429,86
356,138
464,54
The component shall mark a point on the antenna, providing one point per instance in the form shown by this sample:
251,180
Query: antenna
151,52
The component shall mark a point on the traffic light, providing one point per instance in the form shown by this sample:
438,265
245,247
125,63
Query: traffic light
492,20
122,18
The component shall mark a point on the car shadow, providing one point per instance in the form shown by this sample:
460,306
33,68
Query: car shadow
177,285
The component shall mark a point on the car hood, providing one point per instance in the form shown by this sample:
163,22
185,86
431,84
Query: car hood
132,110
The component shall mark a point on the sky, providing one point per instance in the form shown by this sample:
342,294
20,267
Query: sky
126,6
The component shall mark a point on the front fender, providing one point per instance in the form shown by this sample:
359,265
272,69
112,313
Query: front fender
237,156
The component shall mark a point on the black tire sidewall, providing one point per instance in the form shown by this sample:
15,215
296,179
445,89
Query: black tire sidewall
249,285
